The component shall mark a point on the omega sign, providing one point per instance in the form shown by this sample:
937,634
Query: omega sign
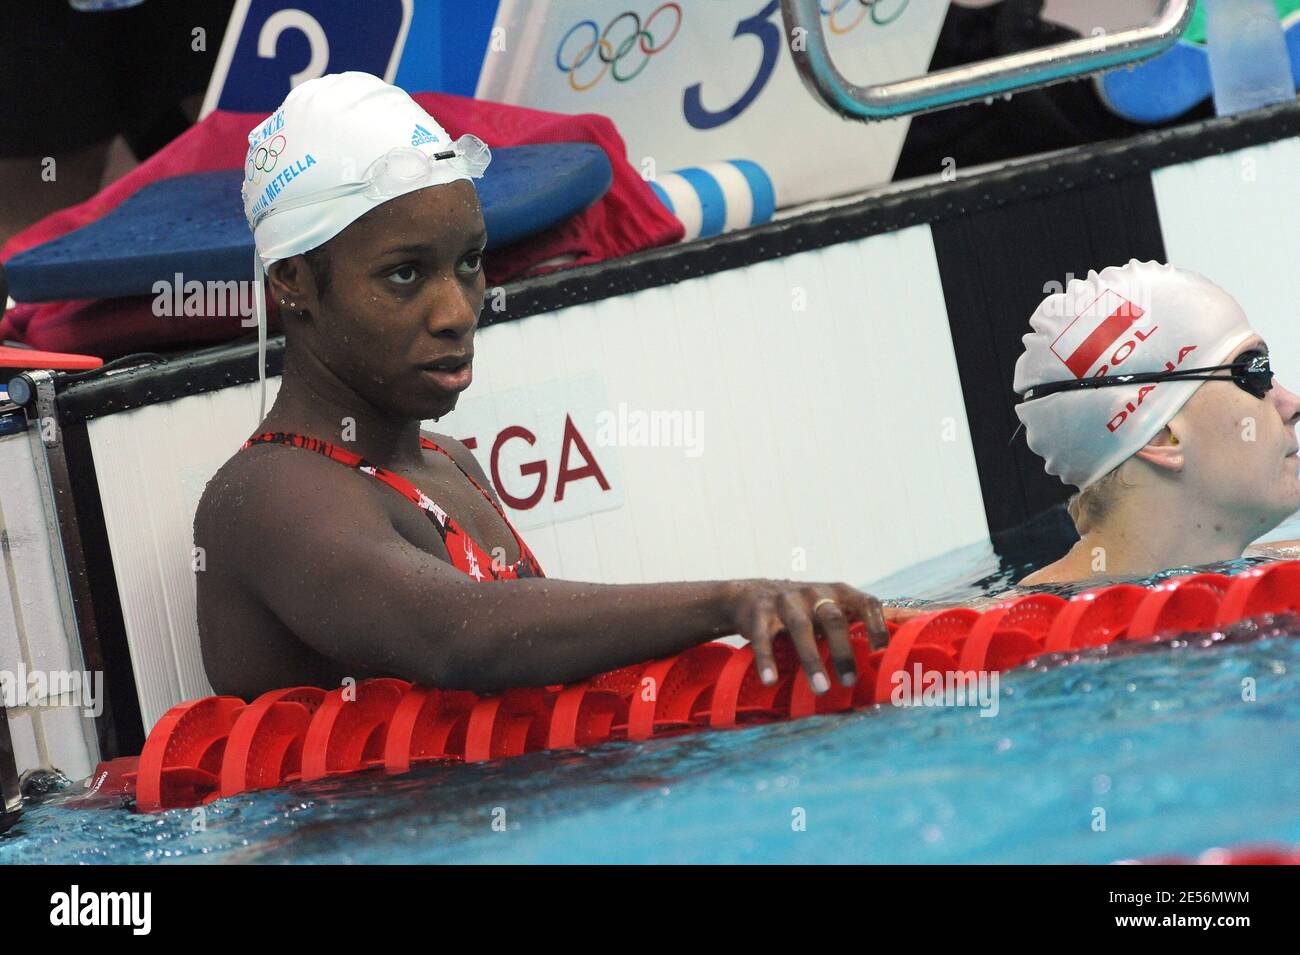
540,447
575,463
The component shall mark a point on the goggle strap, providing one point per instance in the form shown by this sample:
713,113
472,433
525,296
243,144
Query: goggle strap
259,302
1239,370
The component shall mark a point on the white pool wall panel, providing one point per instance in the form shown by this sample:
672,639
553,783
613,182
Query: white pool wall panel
152,464
1235,218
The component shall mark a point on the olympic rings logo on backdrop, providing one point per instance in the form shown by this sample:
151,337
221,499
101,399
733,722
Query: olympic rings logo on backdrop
264,158
633,33
865,8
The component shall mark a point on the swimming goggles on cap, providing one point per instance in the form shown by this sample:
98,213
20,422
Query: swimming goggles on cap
400,170
1251,372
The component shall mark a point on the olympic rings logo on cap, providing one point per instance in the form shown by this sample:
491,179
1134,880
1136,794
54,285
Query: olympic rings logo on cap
866,7
611,55
264,158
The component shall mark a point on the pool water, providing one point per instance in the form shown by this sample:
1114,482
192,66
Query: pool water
1122,753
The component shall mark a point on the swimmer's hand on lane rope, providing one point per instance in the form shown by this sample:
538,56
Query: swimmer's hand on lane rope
762,609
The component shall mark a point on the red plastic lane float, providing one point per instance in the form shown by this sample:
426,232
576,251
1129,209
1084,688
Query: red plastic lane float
1237,855
220,746
1271,589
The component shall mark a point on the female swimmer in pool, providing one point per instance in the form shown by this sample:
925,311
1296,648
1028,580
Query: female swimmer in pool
1145,387
341,541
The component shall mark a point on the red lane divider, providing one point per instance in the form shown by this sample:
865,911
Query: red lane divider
514,723
1008,635
347,733
1271,589
1094,618
1239,855
584,716
264,748
415,732
672,690
739,695
220,746
804,702
1167,609
929,641
181,760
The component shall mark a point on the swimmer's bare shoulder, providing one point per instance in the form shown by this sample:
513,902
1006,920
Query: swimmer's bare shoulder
1044,575
259,488
465,458
294,535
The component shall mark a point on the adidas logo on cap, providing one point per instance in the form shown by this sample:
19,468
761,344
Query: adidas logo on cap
421,136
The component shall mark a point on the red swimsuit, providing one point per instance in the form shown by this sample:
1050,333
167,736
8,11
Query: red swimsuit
466,555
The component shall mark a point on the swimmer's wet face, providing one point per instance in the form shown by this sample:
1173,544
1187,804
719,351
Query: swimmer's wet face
1238,452
350,144
396,319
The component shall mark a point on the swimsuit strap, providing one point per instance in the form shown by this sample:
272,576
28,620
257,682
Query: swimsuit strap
430,445
466,553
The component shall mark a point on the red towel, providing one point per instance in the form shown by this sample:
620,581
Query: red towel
628,218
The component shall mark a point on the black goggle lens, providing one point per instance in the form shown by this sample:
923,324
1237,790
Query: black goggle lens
1253,373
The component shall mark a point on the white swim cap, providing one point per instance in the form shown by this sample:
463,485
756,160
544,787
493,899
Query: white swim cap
339,146
1142,317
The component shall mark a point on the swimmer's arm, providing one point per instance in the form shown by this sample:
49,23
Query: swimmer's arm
333,570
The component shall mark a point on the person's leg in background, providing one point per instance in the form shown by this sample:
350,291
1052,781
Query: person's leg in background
71,81
58,112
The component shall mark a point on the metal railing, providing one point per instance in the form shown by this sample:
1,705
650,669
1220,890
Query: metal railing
975,81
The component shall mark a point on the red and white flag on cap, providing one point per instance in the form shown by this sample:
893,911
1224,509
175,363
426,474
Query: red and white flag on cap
1088,339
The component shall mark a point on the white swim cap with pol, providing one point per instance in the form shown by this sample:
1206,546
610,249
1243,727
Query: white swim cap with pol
1141,317
339,146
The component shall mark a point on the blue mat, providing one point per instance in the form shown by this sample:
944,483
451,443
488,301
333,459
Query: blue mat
194,224
1174,82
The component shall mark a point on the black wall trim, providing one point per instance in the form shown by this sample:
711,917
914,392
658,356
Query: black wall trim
121,727
208,370
1045,179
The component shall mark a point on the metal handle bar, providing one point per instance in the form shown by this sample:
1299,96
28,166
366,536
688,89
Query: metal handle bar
975,81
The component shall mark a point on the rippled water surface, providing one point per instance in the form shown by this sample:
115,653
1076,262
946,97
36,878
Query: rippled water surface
1121,755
